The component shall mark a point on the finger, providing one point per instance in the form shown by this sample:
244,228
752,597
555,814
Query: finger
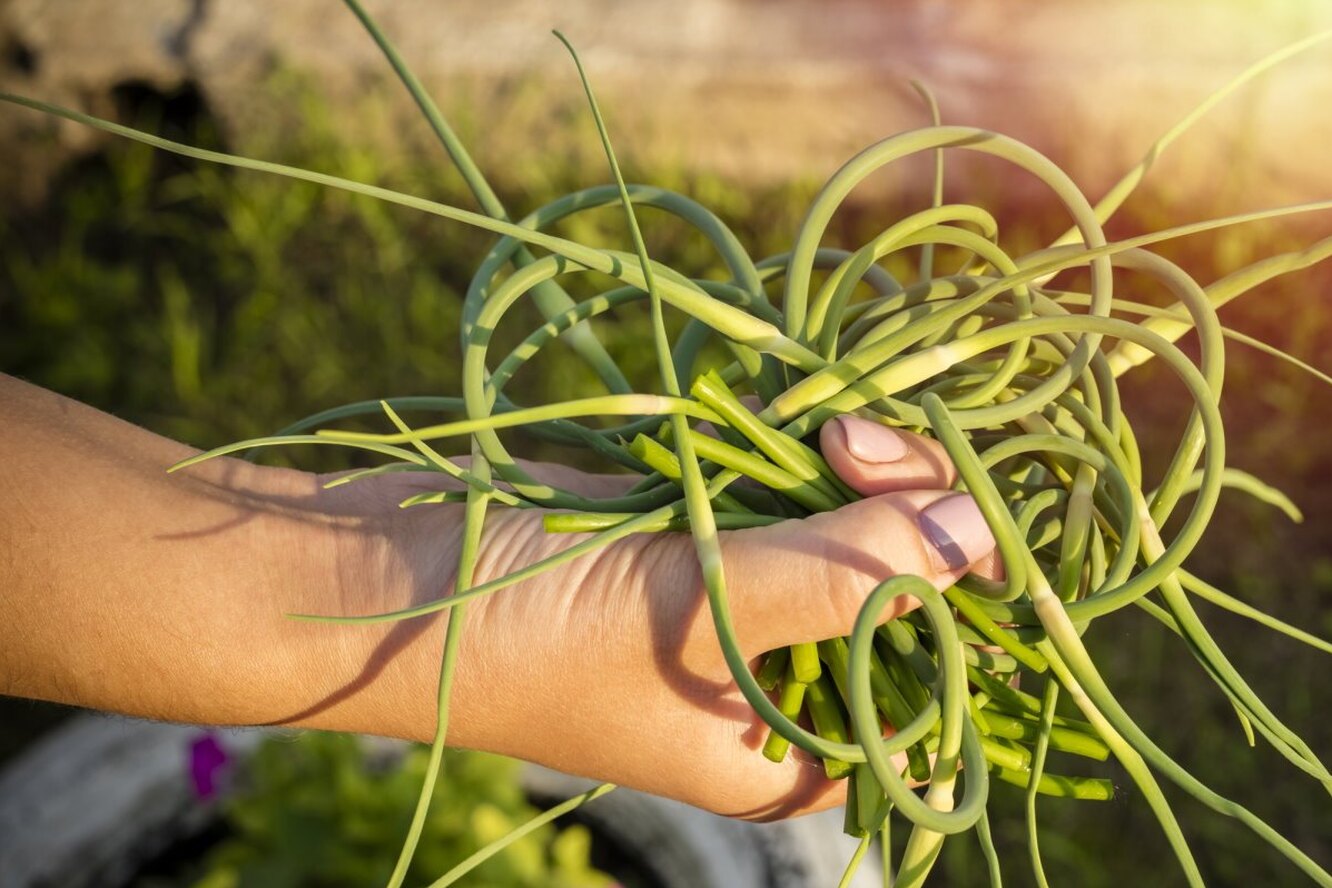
991,567
873,458
754,788
811,790
806,580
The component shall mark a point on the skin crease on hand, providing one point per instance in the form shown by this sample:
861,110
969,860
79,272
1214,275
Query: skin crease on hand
607,666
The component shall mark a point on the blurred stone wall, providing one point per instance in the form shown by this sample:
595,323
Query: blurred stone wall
754,90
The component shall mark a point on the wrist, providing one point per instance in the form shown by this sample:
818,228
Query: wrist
364,555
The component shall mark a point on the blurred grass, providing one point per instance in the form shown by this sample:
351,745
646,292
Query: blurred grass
210,305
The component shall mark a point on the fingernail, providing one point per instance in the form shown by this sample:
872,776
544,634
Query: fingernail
870,442
957,532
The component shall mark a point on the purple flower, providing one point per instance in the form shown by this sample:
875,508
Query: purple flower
208,761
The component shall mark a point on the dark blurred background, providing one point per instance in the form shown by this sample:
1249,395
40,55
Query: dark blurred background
210,305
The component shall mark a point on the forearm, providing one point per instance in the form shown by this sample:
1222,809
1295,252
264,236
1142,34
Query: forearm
128,589
163,595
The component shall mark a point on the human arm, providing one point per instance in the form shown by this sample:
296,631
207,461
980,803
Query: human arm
165,596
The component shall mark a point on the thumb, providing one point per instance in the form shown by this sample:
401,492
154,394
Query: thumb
805,580
873,458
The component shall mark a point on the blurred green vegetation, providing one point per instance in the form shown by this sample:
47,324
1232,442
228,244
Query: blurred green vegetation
315,811
210,305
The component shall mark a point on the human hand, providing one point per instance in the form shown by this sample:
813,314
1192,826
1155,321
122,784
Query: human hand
609,666
168,600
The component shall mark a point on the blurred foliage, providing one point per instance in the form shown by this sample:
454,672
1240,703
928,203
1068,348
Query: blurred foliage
210,305
316,812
